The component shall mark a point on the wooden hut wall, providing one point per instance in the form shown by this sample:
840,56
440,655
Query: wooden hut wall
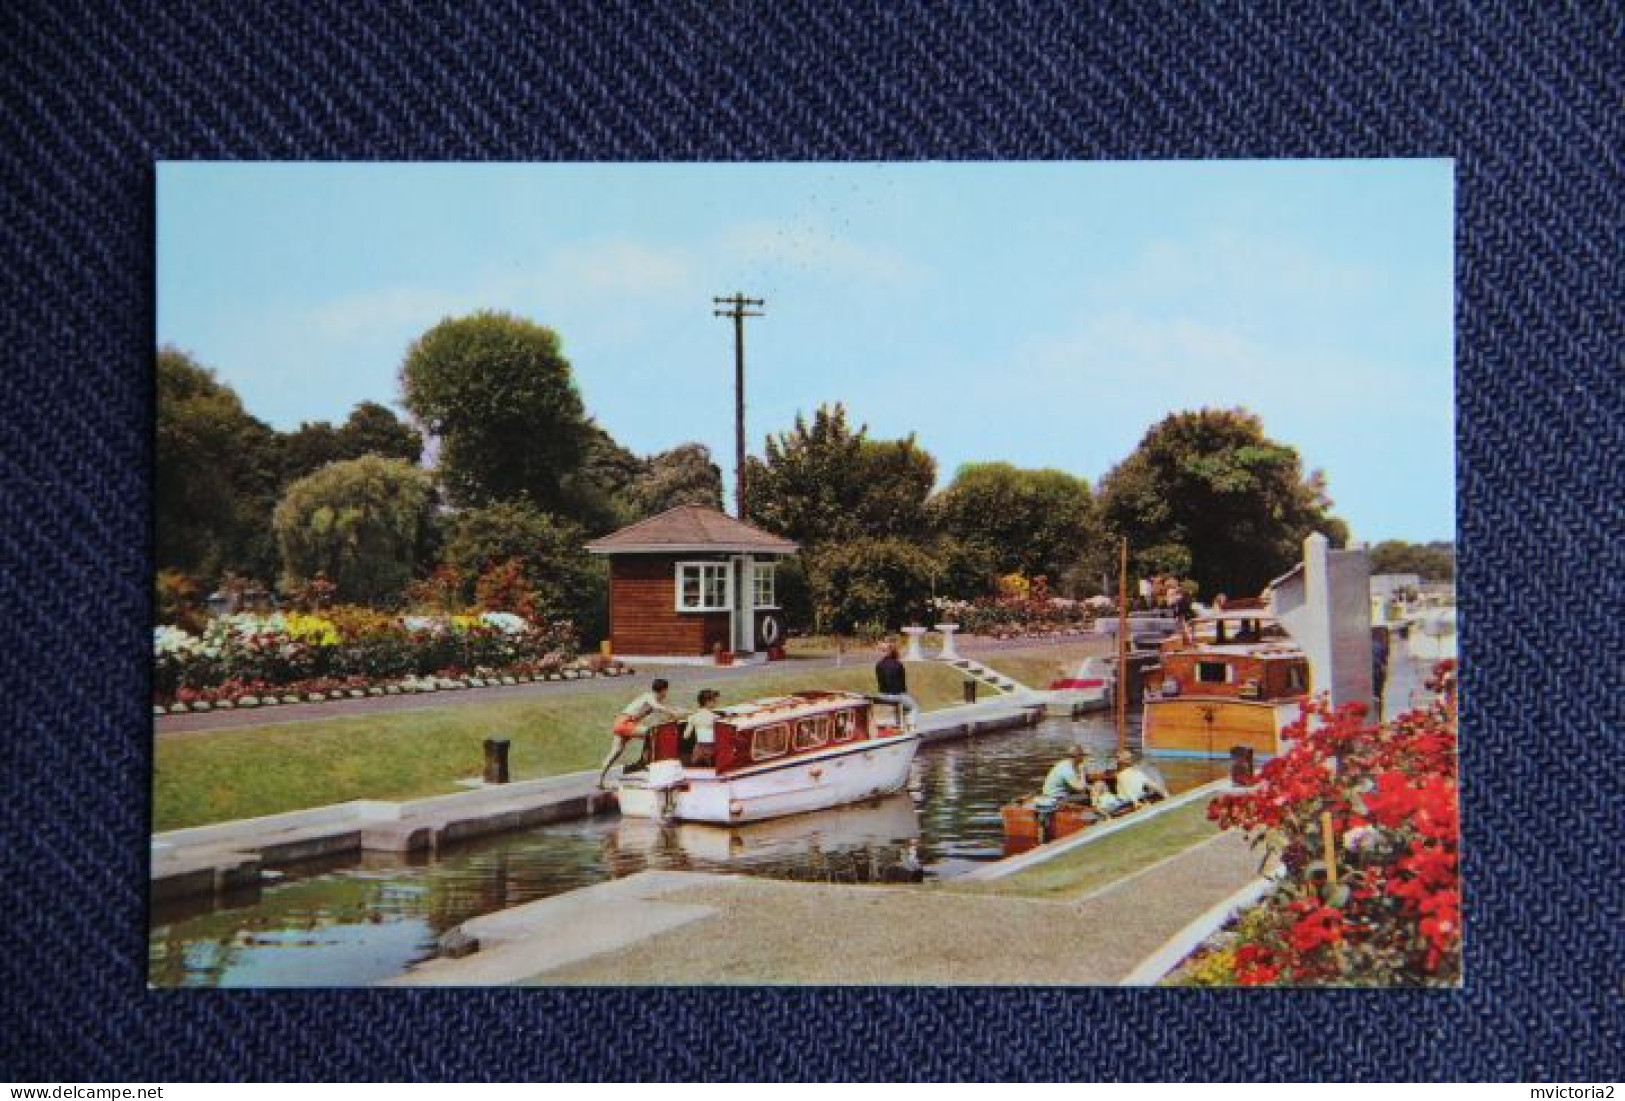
643,615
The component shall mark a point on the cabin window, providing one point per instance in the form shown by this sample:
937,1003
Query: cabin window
812,733
764,592
770,741
846,725
704,587
1296,683
1212,672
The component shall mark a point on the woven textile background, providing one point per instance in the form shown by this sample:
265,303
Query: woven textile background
1526,97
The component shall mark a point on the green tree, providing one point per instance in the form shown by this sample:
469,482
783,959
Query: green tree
869,584
216,475
564,580
685,475
364,523
374,429
825,482
1032,521
499,395
1430,561
1207,495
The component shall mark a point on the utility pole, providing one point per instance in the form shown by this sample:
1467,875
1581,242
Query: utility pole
738,310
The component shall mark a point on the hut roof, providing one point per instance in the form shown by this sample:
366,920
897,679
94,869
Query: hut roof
689,528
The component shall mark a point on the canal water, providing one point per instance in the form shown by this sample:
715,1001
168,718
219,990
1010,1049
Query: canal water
371,918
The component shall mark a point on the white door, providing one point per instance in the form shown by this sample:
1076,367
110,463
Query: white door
744,608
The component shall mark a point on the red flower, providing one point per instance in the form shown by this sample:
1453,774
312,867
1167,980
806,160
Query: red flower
1323,925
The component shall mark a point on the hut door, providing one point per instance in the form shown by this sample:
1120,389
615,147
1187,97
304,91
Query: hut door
743,612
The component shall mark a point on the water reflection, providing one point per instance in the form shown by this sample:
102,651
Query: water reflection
363,921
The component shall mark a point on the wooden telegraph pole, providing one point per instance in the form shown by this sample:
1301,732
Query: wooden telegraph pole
1122,649
737,309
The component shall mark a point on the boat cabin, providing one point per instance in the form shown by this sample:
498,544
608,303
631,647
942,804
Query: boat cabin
1243,655
779,729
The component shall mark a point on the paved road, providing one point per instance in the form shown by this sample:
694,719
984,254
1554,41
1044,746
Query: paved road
284,714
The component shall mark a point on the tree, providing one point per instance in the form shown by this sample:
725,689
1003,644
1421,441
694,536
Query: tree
564,581
500,396
685,475
872,585
824,482
371,430
216,475
1430,561
1036,522
1207,495
363,523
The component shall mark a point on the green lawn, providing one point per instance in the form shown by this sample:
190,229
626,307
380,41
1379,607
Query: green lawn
246,772
242,773
1094,865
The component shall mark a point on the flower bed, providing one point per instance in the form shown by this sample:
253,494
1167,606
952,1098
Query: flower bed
1385,908
348,652
1021,616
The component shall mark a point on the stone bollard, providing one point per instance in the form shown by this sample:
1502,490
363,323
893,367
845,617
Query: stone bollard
914,653
1241,765
970,691
948,651
496,760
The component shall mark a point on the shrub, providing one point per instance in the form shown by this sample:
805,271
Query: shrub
1389,794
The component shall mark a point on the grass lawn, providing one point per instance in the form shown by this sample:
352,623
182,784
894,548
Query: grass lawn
1038,667
246,772
1107,860
243,773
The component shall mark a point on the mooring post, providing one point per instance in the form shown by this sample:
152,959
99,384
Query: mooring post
1241,765
970,691
496,760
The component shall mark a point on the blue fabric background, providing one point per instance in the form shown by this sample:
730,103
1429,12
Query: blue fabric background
1525,96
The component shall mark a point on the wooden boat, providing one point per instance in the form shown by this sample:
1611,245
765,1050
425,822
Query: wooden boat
1034,820
773,757
1234,679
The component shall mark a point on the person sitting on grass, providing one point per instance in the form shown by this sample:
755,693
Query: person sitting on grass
631,723
699,747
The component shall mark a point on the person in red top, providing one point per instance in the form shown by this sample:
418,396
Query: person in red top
632,722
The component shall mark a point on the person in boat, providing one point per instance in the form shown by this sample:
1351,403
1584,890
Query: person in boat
1067,778
699,744
633,722
892,680
1104,800
1136,784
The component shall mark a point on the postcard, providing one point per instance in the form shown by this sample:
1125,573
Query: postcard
1012,574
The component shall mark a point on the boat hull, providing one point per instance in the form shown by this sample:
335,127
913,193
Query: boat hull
846,774
1192,726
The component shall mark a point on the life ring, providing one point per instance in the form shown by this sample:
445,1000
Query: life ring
771,630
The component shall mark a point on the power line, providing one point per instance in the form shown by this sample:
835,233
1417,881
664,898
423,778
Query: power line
738,310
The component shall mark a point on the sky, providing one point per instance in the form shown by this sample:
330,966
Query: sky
1046,314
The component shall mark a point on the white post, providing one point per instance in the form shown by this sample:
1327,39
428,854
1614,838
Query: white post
948,652
914,653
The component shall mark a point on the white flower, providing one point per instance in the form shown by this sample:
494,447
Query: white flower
506,622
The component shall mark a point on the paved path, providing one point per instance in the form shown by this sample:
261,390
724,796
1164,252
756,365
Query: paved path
686,929
283,714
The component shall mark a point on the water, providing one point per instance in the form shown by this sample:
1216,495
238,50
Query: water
361,921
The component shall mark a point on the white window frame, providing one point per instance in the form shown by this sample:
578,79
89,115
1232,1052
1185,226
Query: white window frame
726,569
769,570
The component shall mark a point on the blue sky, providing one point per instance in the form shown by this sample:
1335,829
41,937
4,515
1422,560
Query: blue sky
1041,313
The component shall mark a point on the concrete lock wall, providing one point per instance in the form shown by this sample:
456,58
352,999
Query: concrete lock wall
1326,607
